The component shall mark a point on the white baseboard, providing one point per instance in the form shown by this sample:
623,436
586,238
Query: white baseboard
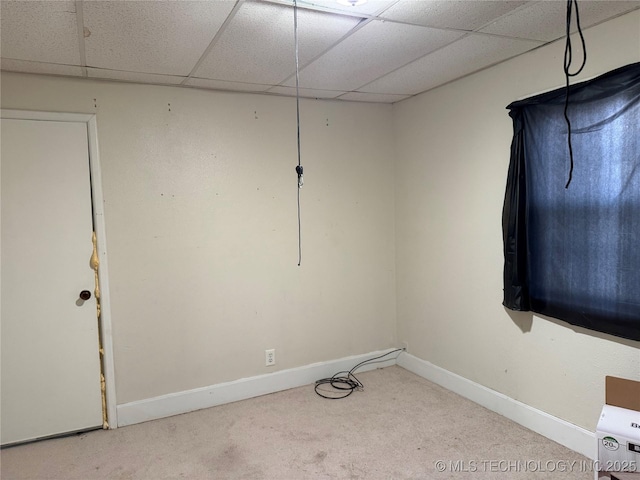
205,397
556,429
571,436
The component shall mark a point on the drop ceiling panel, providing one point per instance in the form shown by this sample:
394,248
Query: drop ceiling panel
305,92
371,7
135,77
373,97
453,61
153,37
377,48
464,15
39,67
225,85
345,53
258,44
40,31
546,20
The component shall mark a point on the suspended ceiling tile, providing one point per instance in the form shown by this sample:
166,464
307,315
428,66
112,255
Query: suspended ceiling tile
11,65
377,48
373,97
305,92
153,37
226,85
453,61
464,15
371,7
135,77
258,44
40,31
546,20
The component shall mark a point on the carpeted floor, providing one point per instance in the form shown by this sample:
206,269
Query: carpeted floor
400,427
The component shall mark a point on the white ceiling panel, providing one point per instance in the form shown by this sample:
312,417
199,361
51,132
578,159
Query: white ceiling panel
377,48
373,97
371,7
40,31
39,67
546,20
135,77
464,15
305,92
225,85
453,61
258,45
381,51
165,37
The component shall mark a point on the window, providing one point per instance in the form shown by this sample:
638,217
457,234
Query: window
574,253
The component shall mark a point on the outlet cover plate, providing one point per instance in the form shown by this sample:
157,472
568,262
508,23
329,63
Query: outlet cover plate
270,357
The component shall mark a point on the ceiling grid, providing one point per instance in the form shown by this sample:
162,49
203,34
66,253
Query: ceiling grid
383,51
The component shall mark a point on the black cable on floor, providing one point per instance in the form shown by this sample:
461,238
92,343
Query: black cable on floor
345,385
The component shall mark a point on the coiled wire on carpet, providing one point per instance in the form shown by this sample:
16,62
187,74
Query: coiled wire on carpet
345,385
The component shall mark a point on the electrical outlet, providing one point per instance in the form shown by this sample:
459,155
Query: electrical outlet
405,346
270,357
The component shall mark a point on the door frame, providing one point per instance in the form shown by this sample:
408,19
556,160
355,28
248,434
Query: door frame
97,200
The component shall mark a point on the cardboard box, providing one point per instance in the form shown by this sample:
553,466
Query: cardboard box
625,476
618,431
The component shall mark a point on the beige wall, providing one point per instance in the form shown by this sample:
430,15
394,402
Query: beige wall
452,147
200,209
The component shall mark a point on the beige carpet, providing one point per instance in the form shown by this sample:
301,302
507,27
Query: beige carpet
399,427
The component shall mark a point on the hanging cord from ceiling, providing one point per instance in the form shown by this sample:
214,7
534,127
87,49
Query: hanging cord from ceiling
568,59
345,385
299,169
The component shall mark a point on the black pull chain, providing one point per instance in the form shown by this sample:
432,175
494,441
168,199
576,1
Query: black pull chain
567,65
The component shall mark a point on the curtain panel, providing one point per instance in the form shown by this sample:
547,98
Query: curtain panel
574,253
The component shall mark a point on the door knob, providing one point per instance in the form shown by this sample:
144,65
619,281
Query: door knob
85,294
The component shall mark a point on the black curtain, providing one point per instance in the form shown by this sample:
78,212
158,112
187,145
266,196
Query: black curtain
574,254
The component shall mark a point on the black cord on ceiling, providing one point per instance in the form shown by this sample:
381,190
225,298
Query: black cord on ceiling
345,385
568,59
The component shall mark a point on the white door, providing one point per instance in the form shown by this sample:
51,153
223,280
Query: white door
50,365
